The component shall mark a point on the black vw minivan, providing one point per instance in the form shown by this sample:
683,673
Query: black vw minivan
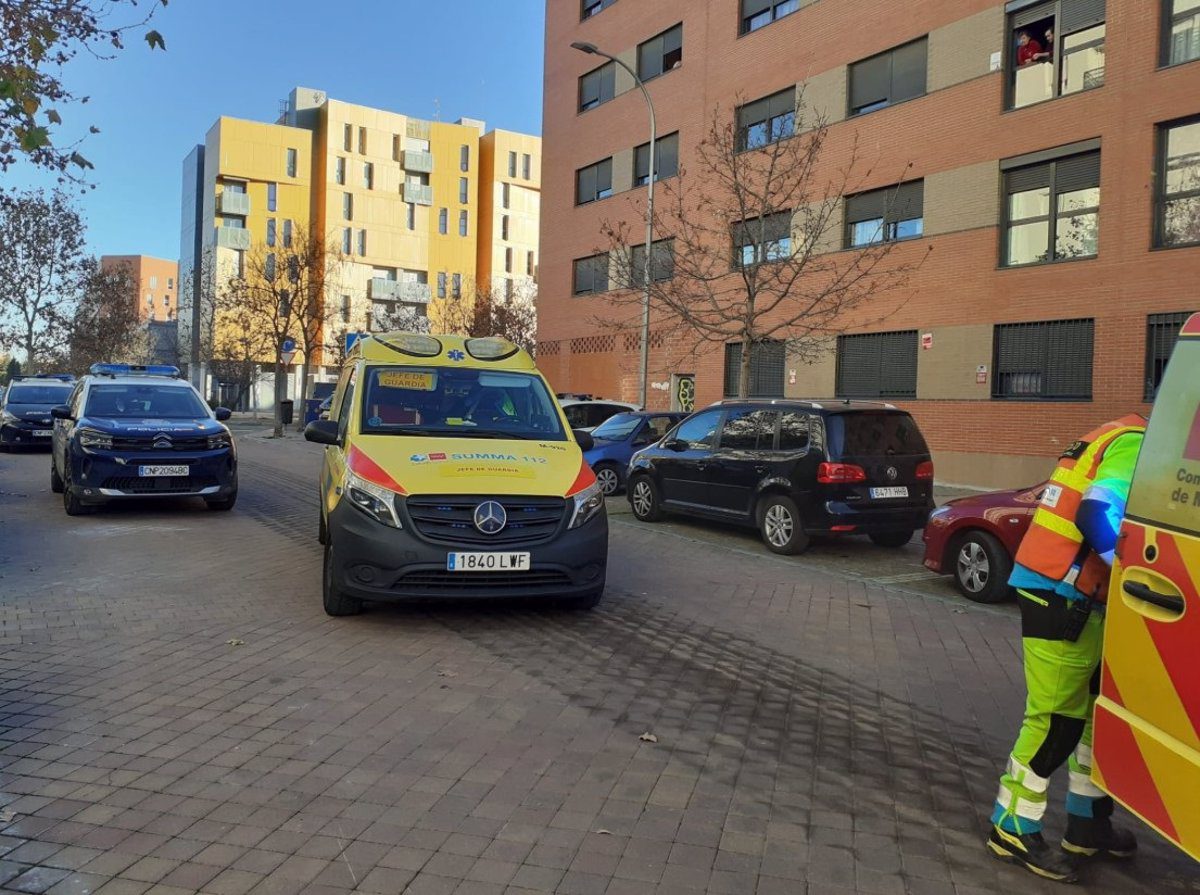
792,469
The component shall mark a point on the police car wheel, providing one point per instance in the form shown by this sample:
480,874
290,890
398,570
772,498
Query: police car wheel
72,505
56,482
335,601
224,503
981,568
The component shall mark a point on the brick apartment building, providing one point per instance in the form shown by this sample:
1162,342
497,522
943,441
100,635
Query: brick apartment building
1058,185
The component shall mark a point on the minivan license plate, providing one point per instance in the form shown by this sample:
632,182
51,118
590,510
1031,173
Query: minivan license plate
487,562
889,492
162,470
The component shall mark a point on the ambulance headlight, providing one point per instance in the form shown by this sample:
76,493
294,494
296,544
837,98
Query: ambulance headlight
588,503
372,499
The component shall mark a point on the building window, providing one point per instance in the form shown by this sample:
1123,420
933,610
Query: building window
505,195
340,171
346,305
767,361
508,260
397,147
662,263
170,282
464,158
348,206
287,233
1052,210
589,8
759,13
411,215
270,231
154,282
441,285
235,186
598,86
166,301
888,78
512,164
504,226
529,264
463,190
241,265
526,166
272,197
462,223
591,275
443,221
1049,361
1055,48
348,137
233,220
269,266
666,160
347,237
1182,31
456,286
593,182
660,54
1162,332
885,215
1177,187
362,242
362,141
768,238
369,175
877,365
766,120
508,290
291,163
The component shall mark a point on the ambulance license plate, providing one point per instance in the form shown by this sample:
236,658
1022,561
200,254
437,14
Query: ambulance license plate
146,471
901,491
487,562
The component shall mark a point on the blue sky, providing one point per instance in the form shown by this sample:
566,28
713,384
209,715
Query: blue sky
472,58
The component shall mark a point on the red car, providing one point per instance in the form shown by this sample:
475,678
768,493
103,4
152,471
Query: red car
975,538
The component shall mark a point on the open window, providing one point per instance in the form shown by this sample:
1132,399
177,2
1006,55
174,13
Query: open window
1056,48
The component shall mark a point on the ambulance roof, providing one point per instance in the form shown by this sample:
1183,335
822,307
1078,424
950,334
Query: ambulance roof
488,352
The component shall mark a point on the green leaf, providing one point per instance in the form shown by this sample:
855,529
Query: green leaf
79,160
34,138
154,39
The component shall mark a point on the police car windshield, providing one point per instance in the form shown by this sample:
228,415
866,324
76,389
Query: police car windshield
129,401
38,394
458,402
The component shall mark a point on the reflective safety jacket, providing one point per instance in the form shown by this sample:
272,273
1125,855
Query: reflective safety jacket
1054,546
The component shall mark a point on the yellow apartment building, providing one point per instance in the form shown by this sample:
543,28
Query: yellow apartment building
509,214
155,295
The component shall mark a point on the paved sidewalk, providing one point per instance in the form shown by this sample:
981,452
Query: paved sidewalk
178,715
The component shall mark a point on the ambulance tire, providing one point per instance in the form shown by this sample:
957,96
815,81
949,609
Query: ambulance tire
590,600
336,602
322,528
981,567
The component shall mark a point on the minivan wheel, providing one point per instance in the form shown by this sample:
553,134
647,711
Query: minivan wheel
336,602
779,523
891,538
643,497
981,568
608,478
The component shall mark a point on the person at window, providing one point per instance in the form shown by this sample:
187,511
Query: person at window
1048,52
1029,50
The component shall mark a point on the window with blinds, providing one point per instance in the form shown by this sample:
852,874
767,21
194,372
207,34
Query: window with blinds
760,13
889,78
593,182
877,365
766,120
1162,332
660,54
885,215
1177,185
1181,31
589,8
1051,360
1052,207
597,86
768,238
590,275
1056,48
662,263
666,160
767,360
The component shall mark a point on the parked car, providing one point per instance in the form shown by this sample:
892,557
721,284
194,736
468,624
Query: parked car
792,469
974,539
618,438
25,419
585,414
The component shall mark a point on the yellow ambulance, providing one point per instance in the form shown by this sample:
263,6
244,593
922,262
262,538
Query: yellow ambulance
450,471
1146,749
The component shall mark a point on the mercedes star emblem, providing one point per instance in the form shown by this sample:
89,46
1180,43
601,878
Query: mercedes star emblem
490,517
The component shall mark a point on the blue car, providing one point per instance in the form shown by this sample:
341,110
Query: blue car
618,438
135,432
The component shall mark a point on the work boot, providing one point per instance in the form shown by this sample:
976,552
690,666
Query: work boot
1091,836
1030,851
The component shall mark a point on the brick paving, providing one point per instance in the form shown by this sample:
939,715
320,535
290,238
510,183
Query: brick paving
178,715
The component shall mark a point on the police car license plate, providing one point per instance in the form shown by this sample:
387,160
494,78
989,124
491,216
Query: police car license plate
162,470
487,562
889,492
42,433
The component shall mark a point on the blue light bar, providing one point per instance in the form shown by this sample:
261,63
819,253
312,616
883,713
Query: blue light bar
133,370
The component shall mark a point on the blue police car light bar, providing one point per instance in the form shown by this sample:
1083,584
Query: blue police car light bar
133,370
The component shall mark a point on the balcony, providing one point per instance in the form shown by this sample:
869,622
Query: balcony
405,291
421,162
229,202
233,238
418,193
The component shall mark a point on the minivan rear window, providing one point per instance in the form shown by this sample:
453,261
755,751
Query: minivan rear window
874,434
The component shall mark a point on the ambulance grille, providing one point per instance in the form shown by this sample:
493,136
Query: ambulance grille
450,520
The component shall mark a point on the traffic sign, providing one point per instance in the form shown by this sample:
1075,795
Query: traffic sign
286,357
289,345
351,338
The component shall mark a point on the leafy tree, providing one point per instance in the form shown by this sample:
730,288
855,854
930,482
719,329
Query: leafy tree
38,38
12,370
106,325
41,260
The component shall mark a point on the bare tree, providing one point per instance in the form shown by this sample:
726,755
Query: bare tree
41,259
746,237
106,325
490,312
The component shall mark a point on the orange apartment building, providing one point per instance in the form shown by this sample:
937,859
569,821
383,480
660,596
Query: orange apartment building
157,293
1058,186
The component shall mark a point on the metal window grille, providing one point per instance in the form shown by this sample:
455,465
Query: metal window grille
1050,360
767,360
1162,332
877,365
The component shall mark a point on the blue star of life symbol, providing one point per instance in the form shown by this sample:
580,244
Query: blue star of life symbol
455,355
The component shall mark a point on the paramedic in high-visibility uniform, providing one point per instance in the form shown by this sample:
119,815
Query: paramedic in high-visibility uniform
1061,575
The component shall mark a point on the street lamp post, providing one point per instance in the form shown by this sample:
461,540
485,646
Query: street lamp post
643,367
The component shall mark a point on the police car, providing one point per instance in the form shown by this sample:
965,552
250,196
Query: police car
25,408
131,431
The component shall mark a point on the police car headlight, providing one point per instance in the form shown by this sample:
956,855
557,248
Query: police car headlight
220,440
6,417
588,503
374,500
95,440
